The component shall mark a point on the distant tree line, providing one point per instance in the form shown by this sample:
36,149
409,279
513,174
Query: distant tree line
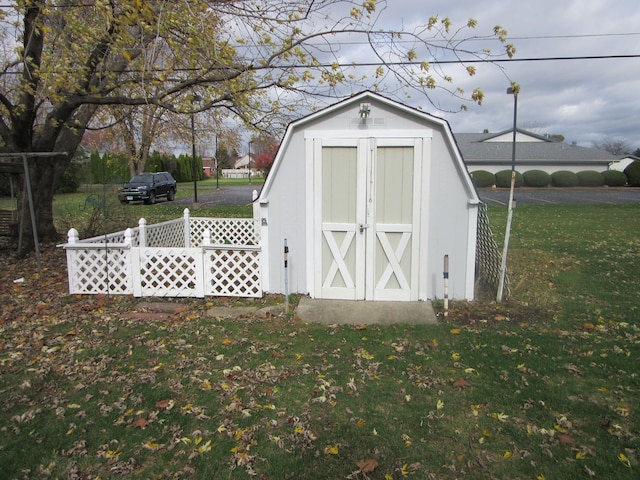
113,168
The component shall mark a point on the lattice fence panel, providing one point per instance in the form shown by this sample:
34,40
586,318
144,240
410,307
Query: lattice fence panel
93,270
233,272
225,231
488,255
117,237
166,267
171,272
166,234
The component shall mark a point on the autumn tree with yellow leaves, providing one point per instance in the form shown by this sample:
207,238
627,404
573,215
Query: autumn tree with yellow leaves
63,61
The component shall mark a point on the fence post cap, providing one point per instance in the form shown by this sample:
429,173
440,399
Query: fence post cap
206,237
73,236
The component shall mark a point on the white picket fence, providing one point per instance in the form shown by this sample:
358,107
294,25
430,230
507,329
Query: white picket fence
187,257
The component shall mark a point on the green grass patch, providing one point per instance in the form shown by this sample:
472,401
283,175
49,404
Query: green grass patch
543,386
96,211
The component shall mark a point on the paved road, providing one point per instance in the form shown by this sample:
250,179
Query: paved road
229,195
500,196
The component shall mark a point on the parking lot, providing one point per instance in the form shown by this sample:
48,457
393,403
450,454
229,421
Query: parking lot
612,195
242,195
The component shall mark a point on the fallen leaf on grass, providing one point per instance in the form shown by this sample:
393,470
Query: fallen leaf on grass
331,450
566,439
624,459
461,383
368,465
165,404
477,407
501,417
455,331
141,423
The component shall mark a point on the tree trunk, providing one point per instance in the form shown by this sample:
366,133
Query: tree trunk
42,172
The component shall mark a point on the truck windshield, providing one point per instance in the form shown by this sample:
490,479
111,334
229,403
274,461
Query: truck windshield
141,179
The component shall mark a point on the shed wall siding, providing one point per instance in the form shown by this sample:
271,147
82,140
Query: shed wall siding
285,214
449,224
446,227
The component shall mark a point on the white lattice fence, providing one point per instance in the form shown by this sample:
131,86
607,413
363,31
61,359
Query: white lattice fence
100,270
225,231
169,272
189,257
166,234
233,272
488,255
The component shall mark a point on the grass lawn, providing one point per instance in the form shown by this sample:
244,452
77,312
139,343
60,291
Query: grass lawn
85,210
544,386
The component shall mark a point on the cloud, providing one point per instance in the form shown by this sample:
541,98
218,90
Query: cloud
584,100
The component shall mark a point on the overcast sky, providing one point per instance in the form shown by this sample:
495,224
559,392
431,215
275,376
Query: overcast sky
584,100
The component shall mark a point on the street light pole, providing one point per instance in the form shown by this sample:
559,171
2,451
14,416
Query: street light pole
194,167
513,90
250,141
193,161
217,166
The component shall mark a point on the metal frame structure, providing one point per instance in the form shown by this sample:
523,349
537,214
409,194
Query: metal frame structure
12,167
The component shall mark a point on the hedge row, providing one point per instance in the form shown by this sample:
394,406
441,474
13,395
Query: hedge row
562,178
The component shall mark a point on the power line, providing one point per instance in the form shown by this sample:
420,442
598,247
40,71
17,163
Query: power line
496,60
584,35
393,64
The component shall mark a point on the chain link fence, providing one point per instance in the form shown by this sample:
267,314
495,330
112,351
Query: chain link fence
488,257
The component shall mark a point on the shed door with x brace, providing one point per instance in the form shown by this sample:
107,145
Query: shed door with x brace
369,217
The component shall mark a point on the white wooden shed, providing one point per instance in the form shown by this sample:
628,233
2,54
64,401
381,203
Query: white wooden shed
369,195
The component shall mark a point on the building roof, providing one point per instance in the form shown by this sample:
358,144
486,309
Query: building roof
368,96
531,149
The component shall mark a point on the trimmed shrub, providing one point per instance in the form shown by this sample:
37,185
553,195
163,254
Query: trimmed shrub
503,179
483,179
614,178
536,178
633,173
564,178
589,178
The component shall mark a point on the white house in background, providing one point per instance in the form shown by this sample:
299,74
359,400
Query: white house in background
493,152
623,162
369,196
243,162
241,168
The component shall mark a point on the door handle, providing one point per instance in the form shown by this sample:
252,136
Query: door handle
362,227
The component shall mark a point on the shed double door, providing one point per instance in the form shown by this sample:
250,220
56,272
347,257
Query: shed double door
369,219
